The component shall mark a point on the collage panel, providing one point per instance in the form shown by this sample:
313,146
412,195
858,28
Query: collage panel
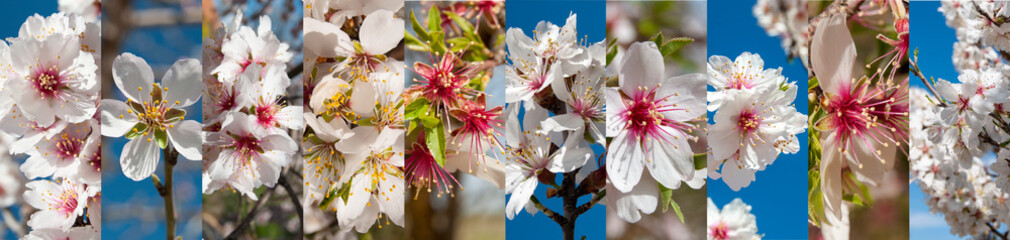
859,119
50,164
758,137
455,140
655,91
354,135
252,117
959,160
555,179
151,114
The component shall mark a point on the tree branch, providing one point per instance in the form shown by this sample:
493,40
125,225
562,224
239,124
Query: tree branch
592,202
918,73
165,190
551,214
995,231
249,217
283,181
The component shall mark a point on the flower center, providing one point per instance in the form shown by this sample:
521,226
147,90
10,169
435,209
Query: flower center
748,121
479,129
246,146
266,115
719,232
65,202
47,82
68,147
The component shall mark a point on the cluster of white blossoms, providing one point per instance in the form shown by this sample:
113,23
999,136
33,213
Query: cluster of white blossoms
755,119
247,119
354,121
733,222
653,121
557,82
48,116
961,188
956,131
787,20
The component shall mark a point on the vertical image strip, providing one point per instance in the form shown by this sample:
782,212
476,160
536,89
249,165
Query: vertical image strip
859,119
252,118
151,117
354,137
455,144
758,111
959,159
656,122
50,164
556,113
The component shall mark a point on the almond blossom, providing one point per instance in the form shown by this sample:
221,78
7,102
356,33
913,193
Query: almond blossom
60,203
152,116
734,221
755,120
250,156
649,120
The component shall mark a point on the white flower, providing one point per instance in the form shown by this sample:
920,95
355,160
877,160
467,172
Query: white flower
76,233
322,161
250,156
59,204
648,118
62,153
246,47
754,122
380,32
351,8
372,159
153,115
970,103
1002,169
529,154
53,79
263,91
734,221
746,73
529,73
584,99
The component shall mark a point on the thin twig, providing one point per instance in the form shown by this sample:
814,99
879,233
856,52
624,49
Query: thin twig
592,202
918,73
296,70
996,232
165,190
283,181
550,214
249,217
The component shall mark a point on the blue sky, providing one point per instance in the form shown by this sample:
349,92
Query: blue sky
779,194
526,14
935,48
160,46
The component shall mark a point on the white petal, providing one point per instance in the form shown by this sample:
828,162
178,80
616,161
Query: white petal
183,83
116,121
642,66
380,32
564,122
831,175
614,108
140,158
520,196
670,163
187,139
625,162
642,199
132,75
832,53
688,92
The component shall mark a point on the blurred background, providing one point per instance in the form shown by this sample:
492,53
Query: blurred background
477,211
161,32
778,195
278,212
590,20
628,22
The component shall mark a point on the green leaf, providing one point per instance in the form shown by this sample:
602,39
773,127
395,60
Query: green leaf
435,138
437,42
162,137
676,208
674,44
416,109
665,197
658,39
415,44
458,43
422,34
434,19
700,161
137,130
270,230
611,51
429,121
465,27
